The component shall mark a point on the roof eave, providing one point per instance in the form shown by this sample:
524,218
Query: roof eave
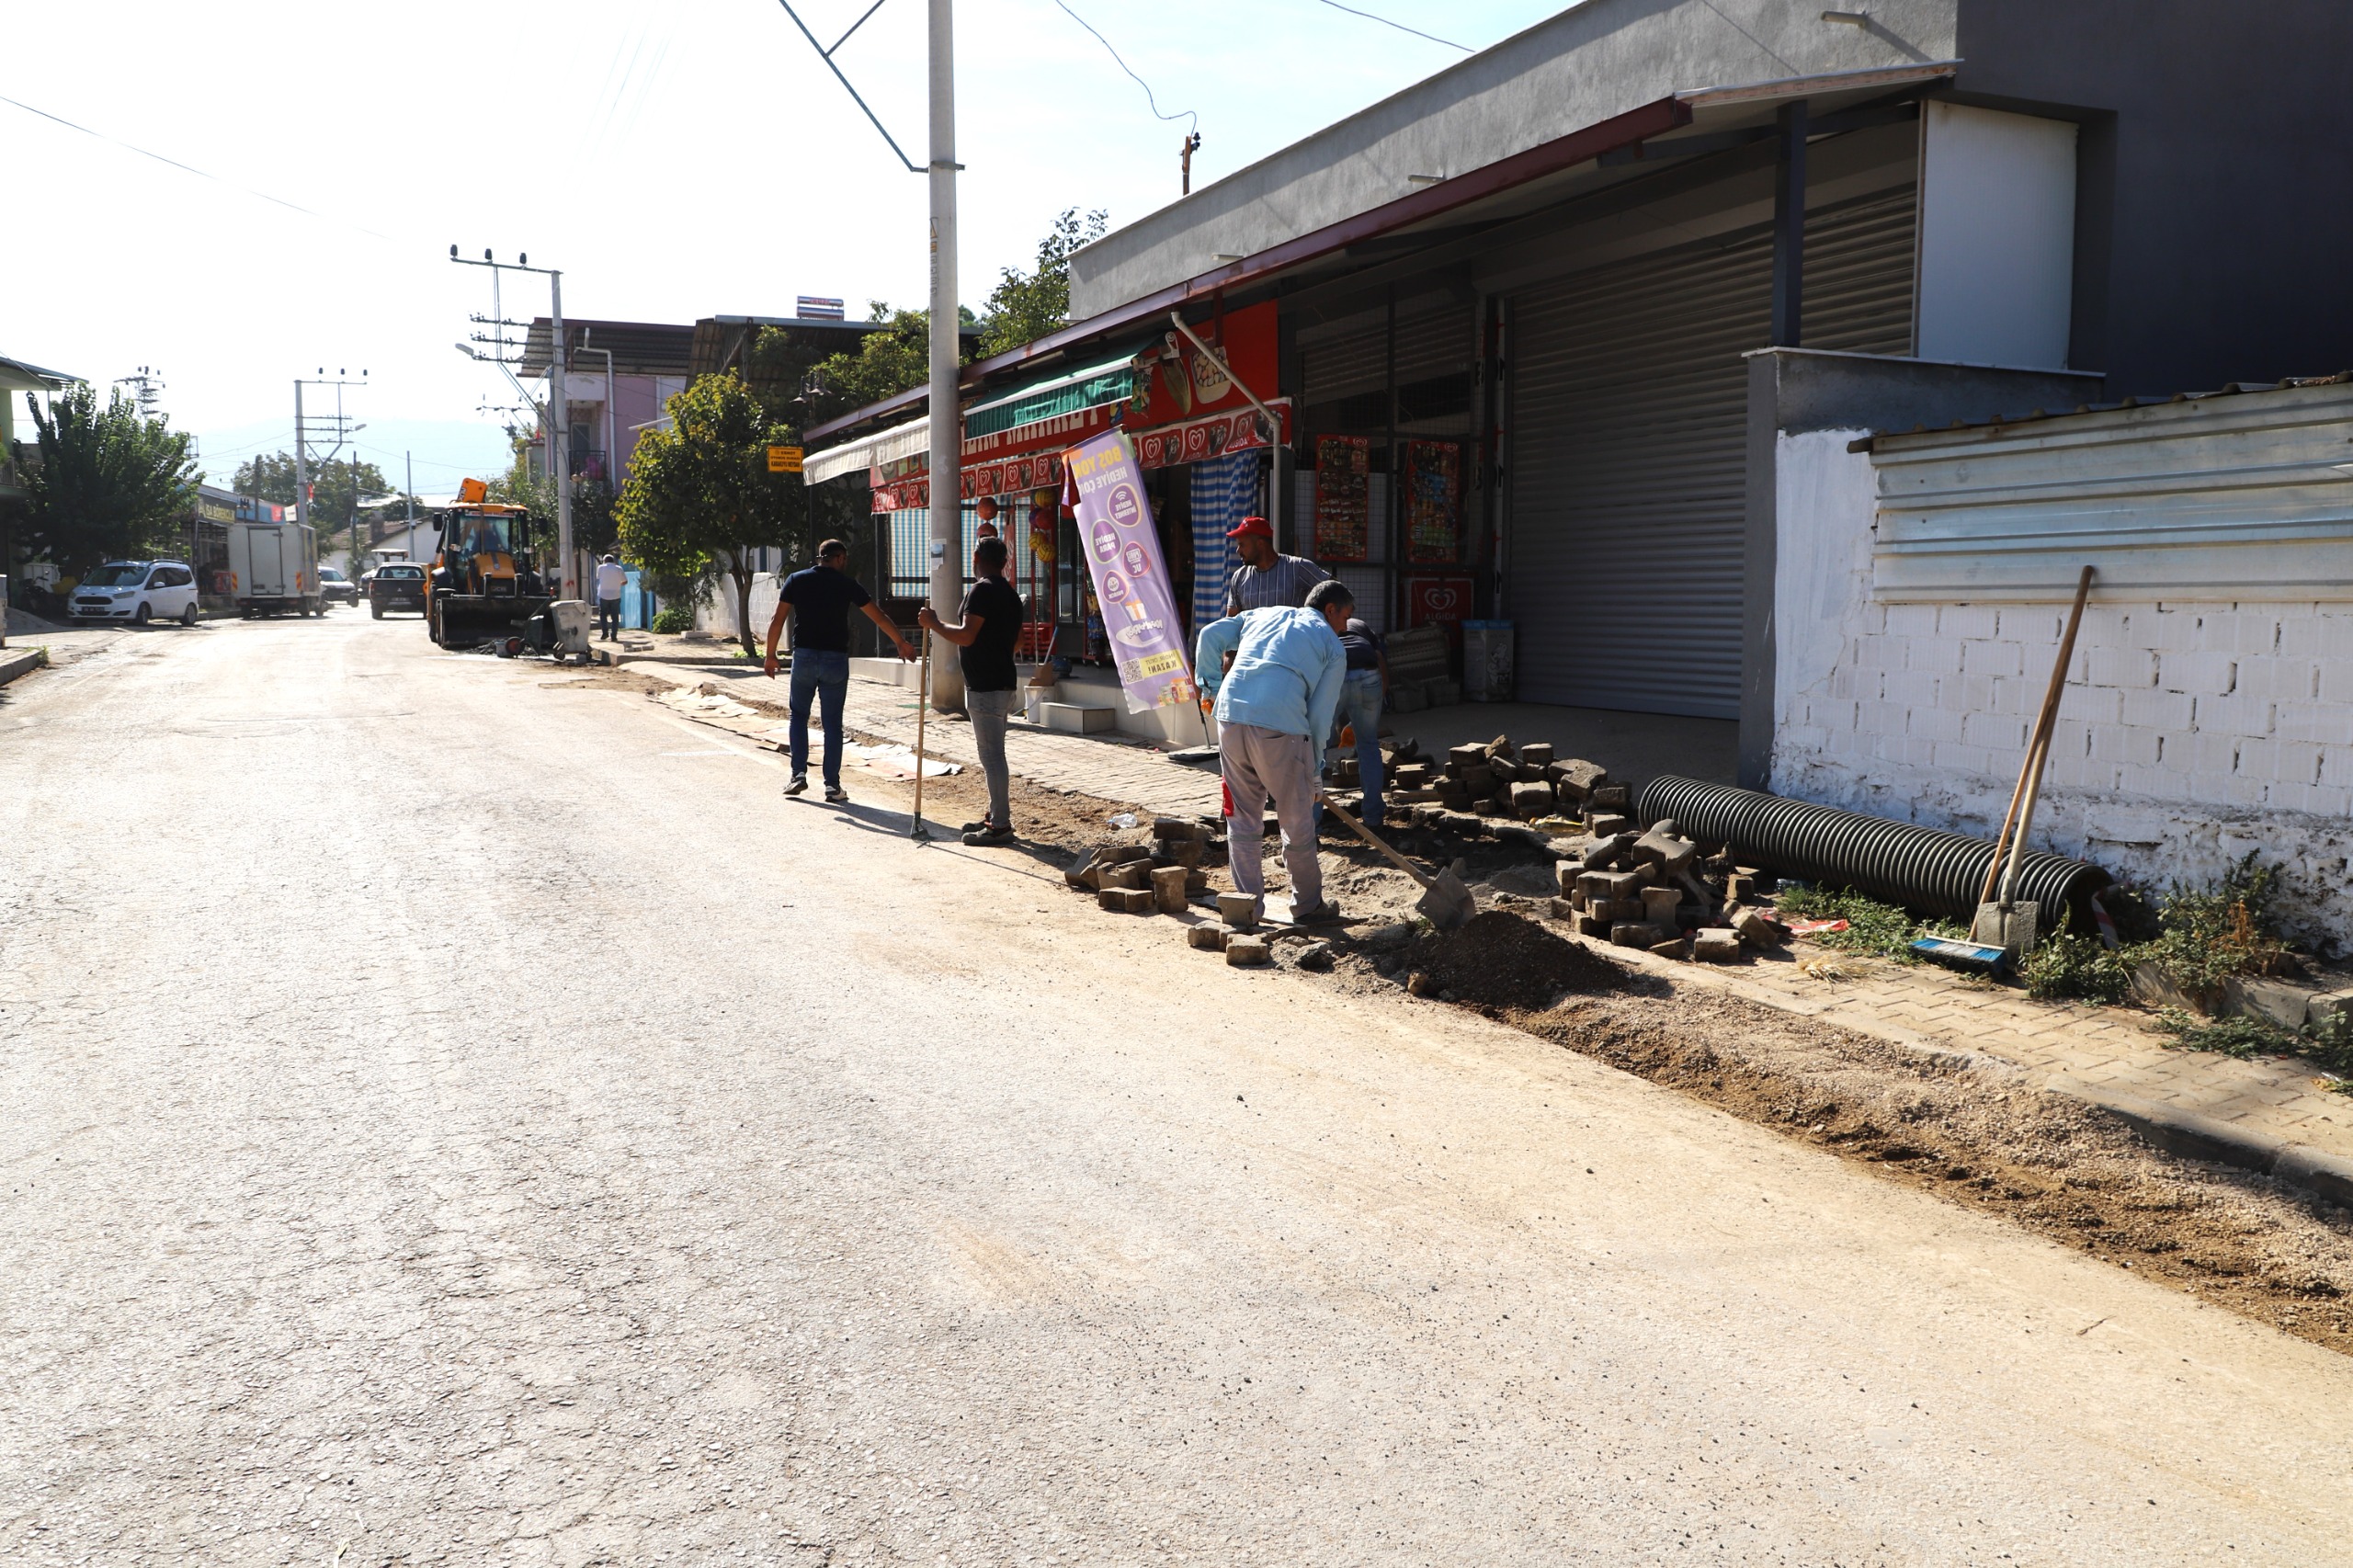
1654,119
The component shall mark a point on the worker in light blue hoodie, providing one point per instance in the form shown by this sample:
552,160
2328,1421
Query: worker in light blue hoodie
1274,710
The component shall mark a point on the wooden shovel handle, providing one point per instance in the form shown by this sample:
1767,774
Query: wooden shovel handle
2038,742
1365,832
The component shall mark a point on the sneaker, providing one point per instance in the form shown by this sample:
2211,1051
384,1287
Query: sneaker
1321,915
836,795
985,835
796,785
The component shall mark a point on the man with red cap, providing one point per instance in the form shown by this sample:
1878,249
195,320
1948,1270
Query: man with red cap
1267,577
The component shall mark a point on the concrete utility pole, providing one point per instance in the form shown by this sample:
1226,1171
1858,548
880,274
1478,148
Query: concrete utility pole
946,342
301,461
559,417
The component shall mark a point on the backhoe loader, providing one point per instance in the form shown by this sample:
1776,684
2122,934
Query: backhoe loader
481,587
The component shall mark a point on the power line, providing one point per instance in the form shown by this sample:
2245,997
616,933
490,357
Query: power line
192,169
1385,22
1082,21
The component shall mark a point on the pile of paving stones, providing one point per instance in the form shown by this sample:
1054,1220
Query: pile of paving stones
1146,879
1499,780
1663,892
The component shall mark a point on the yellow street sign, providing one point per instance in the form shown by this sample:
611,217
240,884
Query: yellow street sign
784,460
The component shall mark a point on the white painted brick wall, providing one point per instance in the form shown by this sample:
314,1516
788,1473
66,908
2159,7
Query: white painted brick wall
2189,733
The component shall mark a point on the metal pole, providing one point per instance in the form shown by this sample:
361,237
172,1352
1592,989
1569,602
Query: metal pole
947,424
301,461
408,463
560,413
923,708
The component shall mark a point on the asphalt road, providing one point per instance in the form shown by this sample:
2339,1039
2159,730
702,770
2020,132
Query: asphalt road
447,1118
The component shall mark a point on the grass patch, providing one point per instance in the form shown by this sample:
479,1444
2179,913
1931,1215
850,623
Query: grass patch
2328,1045
2075,968
1873,929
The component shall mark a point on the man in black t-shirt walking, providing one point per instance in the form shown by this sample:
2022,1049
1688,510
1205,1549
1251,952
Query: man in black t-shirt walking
990,623
823,596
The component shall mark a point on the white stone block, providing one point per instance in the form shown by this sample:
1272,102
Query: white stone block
2119,667
1991,658
2247,716
2166,710
1965,621
2196,673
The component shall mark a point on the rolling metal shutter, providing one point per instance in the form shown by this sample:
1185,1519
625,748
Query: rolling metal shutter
1629,451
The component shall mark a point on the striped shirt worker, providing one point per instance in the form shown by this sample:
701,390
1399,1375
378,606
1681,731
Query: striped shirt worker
1266,579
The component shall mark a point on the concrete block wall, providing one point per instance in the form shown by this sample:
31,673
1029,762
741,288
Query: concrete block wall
2189,733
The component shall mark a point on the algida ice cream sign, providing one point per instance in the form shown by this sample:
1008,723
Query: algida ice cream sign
1130,578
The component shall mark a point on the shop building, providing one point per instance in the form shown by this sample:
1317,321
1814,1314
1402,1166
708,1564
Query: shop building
1516,306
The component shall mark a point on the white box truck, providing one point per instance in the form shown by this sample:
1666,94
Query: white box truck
274,569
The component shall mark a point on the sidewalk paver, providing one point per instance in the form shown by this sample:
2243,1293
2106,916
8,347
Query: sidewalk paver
1109,768
2114,1048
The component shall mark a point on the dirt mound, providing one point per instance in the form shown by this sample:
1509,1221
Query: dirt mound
1500,960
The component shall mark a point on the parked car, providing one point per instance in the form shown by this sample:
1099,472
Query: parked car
137,591
395,585
336,589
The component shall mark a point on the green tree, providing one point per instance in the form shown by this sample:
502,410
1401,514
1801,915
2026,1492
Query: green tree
885,364
1026,306
112,482
338,486
699,498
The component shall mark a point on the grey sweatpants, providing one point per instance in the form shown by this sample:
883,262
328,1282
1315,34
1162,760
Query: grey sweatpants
988,711
1261,762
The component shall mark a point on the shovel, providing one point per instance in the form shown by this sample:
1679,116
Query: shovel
1445,900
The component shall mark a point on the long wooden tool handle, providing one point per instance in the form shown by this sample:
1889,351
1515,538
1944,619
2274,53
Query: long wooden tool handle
1365,832
923,700
2040,741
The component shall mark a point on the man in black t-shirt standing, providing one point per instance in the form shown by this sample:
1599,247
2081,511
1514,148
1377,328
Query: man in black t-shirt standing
990,623
823,596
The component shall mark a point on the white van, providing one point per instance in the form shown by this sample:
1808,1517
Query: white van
136,591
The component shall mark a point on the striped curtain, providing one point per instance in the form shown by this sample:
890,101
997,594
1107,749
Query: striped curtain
1222,491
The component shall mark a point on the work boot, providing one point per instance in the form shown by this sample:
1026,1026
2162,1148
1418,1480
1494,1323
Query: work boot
796,785
1318,914
985,835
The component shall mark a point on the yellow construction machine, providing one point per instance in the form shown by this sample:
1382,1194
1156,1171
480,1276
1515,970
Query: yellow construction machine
481,587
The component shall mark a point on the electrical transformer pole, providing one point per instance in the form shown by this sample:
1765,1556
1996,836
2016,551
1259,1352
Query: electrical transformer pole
946,342
301,461
559,418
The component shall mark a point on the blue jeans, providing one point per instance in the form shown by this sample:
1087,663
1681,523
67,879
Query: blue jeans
1360,707
821,673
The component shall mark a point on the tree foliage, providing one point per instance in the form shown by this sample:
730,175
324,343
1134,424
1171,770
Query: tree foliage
1026,306
337,486
700,499
112,482
1023,307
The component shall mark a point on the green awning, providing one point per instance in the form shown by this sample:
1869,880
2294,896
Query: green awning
1067,392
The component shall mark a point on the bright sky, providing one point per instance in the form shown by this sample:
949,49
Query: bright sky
676,161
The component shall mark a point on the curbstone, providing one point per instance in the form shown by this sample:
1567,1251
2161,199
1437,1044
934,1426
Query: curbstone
15,661
1243,953
2331,1176
2197,1137
1207,938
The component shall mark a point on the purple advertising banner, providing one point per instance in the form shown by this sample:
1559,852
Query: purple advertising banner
1130,579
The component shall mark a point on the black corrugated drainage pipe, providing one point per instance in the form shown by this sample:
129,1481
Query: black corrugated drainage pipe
1919,868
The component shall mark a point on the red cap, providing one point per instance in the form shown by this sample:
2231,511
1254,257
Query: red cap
1251,528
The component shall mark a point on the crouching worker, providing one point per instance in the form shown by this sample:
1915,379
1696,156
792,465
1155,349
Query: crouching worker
1274,709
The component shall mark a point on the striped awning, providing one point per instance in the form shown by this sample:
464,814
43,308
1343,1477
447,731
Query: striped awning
908,440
